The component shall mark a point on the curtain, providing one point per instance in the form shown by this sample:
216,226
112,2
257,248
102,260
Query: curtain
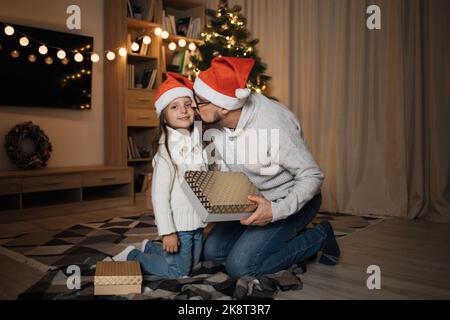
373,104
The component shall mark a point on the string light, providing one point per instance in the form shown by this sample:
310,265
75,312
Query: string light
192,46
61,54
134,47
49,60
78,57
15,54
122,52
110,56
182,43
165,35
9,30
65,61
158,31
147,40
172,46
95,57
24,41
43,50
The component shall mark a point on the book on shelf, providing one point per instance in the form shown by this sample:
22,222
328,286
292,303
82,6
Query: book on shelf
149,78
134,150
143,9
183,26
131,76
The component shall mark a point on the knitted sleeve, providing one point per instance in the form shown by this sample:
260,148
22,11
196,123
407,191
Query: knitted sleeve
162,182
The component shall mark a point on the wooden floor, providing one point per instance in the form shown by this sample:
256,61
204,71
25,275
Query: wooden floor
414,257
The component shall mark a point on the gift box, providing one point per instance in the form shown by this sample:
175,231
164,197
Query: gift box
117,278
220,196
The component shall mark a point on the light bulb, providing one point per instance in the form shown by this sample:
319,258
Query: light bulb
24,41
110,56
43,50
15,54
48,60
182,43
65,61
9,30
172,46
158,31
95,57
147,40
61,54
192,46
78,57
32,58
123,52
164,35
134,47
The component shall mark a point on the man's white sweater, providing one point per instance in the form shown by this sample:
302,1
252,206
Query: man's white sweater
289,176
173,211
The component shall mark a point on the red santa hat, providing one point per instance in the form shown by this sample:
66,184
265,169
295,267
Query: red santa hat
224,83
175,86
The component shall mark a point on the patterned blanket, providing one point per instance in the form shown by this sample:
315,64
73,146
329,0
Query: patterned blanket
85,244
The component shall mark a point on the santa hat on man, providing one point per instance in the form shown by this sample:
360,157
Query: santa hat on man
224,83
175,86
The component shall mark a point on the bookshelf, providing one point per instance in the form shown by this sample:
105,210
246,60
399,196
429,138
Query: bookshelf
131,82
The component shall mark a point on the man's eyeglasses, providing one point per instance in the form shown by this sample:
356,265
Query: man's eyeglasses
198,102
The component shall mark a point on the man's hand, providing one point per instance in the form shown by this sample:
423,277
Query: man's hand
171,243
263,214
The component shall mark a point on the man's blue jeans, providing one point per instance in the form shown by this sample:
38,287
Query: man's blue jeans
169,265
254,251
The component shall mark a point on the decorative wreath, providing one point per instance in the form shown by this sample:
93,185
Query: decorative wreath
24,159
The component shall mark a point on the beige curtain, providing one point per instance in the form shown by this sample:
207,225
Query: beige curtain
373,104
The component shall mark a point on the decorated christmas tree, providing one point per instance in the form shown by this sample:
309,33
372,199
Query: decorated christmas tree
226,35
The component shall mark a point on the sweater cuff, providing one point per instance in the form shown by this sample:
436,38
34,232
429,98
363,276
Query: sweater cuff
279,211
165,230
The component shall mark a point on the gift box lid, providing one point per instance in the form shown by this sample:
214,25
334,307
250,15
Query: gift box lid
118,273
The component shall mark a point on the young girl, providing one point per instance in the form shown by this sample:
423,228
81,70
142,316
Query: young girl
179,150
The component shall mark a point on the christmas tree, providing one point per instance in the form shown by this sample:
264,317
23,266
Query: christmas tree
226,35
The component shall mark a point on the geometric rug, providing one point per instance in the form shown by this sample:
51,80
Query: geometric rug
85,244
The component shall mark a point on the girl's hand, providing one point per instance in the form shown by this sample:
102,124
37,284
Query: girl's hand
171,243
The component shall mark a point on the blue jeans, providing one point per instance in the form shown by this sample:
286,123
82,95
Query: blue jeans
255,251
154,260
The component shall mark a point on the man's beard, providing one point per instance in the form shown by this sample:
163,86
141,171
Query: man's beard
216,121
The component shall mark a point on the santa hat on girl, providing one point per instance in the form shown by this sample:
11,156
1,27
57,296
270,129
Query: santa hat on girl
224,83
175,86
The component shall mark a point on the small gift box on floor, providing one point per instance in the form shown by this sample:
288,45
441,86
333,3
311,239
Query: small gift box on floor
117,278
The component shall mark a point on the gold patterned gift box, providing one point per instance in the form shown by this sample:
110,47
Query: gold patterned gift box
220,196
117,278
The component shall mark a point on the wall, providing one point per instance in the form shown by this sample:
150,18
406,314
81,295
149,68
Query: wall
76,136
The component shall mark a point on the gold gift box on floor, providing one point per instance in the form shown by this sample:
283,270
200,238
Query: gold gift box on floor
117,278
219,196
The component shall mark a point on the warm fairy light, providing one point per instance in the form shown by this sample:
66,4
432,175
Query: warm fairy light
61,54
134,47
95,57
15,54
78,57
32,58
43,50
172,46
147,40
110,56
24,41
9,30
182,43
192,46
65,61
49,60
123,52
158,31
165,35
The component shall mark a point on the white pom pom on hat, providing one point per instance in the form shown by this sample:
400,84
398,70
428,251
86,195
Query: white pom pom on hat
224,83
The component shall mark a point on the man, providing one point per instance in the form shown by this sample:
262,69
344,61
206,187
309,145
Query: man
274,237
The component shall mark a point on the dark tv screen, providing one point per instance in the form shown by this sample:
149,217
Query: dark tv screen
30,79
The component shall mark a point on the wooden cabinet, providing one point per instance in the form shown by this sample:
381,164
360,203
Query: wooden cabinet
52,192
